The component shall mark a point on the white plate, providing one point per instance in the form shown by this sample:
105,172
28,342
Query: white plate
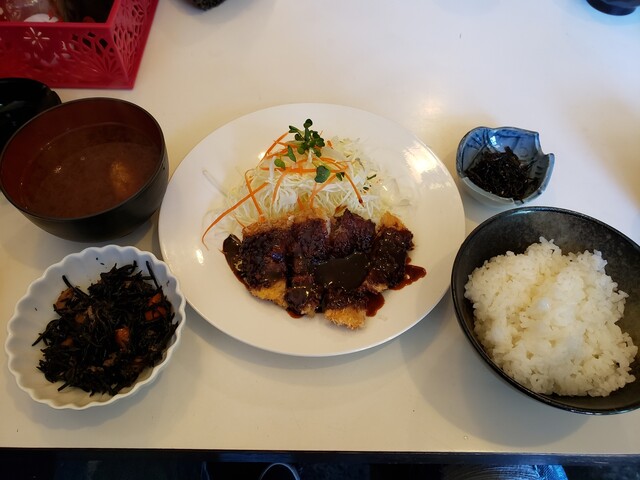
436,218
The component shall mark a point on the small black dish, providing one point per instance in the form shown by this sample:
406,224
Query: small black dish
207,4
516,229
615,7
20,100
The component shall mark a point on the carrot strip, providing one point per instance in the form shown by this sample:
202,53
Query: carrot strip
316,191
253,197
231,209
313,194
332,161
292,169
282,151
276,142
285,172
277,185
355,189
277,153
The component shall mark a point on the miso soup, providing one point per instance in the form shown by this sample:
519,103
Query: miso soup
88,170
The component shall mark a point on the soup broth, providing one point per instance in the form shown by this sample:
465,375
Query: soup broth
88,170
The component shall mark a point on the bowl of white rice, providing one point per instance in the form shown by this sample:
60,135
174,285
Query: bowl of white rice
550,299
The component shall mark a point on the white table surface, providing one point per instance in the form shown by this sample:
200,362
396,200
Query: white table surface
438,68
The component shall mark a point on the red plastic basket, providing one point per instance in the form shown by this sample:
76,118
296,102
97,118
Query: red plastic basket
79,55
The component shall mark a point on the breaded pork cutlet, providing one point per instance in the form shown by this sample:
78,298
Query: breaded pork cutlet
308,247
262,259
389,254
309,263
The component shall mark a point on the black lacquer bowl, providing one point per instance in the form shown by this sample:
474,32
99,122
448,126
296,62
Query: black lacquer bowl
615,7
20,100
516,229
93,132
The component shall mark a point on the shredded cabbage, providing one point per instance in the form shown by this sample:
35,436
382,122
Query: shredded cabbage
279,186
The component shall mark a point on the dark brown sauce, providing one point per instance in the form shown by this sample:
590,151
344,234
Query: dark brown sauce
347,273
231,250
293,314
412,273
88,170
375,301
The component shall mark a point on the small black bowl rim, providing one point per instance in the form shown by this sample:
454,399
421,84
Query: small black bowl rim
48,96
615,7
26,80
63,220
551,400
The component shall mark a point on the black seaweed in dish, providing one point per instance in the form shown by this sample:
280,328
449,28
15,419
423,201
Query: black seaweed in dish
503,166
104,338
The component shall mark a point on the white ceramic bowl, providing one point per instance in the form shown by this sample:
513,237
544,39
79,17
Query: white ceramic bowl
34,311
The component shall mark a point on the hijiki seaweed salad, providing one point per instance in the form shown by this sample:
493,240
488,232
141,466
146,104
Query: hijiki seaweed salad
104,338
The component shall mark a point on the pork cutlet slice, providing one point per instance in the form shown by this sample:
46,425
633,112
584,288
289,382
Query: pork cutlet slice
389,254
308,246
262,254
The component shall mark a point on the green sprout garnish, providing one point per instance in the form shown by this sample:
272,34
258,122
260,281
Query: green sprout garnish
309,139
279,162
322,174
290,154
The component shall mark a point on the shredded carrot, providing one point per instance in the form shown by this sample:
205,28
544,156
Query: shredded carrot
355,189
276,142
277,185
297,168
253,197
301,169
294,169
339,165
231,209
317,189
157,298
277,153
122,336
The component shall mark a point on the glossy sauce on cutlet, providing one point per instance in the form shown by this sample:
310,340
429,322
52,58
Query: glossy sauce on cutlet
327,270
231,250
412,273
389,256
375,301
347,273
